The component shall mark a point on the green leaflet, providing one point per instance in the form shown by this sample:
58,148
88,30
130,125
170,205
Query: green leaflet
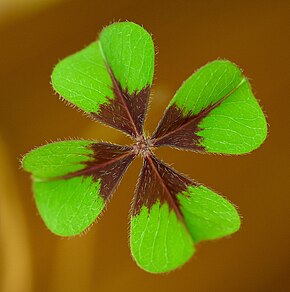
208,215
57,159
237,126
219,113
129,51
83,78
170,213
159,242
67,206
73,180
70,206
207,86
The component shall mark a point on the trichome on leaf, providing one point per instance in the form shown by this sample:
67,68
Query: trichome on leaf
214,111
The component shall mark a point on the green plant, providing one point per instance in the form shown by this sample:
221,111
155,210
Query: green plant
214,111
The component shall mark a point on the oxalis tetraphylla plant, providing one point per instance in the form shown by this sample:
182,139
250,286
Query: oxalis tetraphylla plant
214,111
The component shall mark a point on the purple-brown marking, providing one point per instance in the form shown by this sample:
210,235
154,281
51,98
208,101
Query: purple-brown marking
125,111
159,182
109,163
178,131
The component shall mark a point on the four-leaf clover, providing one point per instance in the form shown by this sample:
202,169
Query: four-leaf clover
214,111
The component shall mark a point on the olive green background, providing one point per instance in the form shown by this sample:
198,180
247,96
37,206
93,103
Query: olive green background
187,34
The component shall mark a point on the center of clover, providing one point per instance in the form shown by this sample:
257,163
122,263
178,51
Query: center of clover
142,146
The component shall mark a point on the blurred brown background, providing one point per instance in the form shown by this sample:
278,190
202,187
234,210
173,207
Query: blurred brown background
34,35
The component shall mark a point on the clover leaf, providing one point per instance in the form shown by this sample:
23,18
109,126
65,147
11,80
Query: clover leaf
214,111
